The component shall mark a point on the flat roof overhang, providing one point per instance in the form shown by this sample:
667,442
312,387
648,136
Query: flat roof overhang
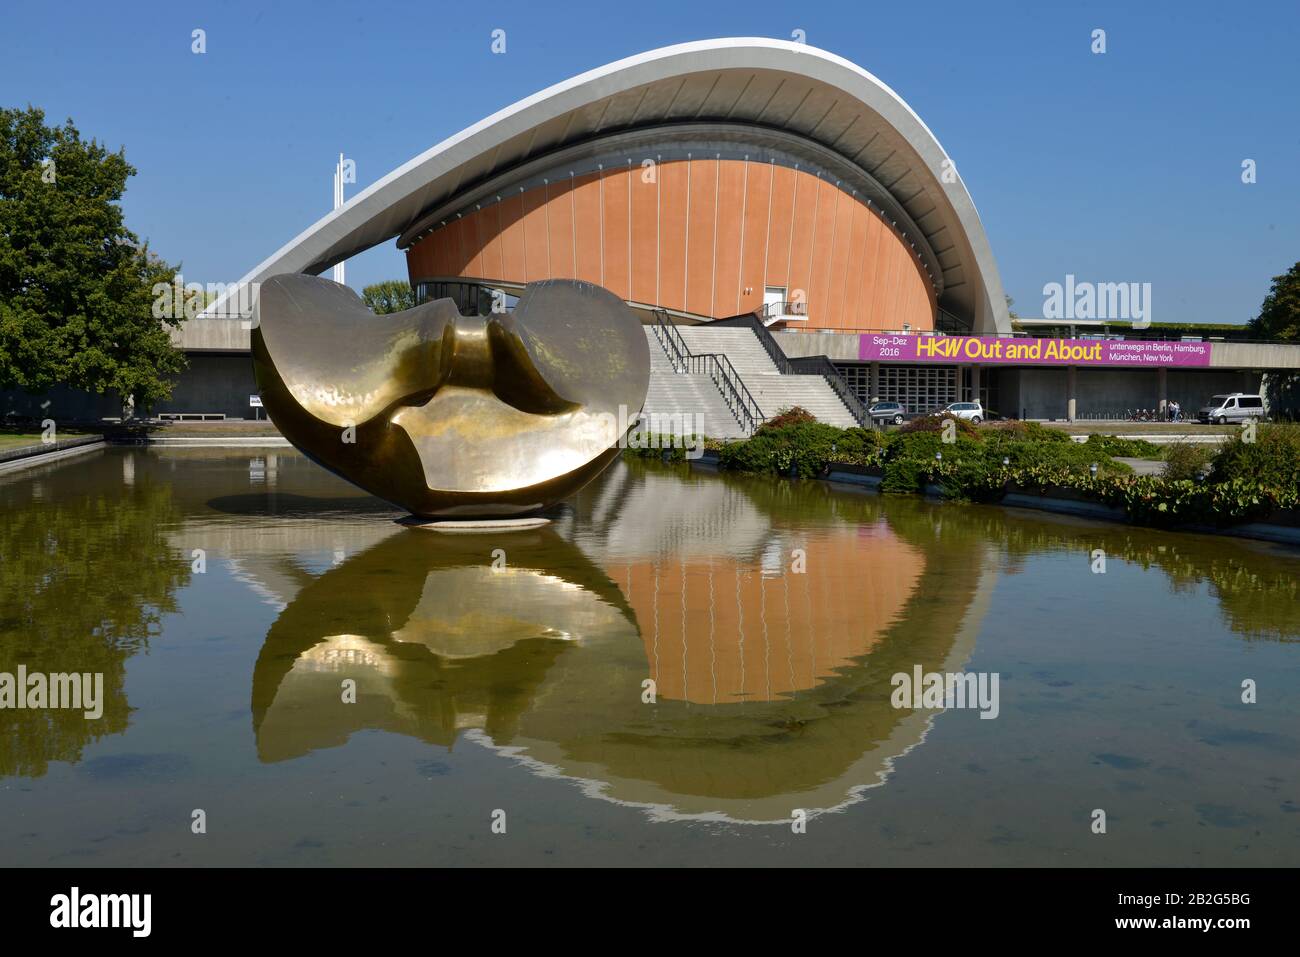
776,84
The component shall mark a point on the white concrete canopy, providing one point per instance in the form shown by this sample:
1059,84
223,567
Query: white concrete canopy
773,83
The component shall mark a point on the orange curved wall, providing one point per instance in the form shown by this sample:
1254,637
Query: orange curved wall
702,236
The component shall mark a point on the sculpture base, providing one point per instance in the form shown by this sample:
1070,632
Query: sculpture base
474,526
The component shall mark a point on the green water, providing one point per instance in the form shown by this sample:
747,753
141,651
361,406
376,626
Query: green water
329,687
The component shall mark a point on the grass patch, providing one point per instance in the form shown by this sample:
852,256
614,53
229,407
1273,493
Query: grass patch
1120,447
11,438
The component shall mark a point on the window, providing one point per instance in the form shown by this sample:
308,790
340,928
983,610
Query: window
918,388
472,299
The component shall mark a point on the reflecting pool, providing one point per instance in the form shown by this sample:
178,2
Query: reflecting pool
676,668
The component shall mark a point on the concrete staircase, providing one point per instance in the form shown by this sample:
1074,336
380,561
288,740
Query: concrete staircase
772,391
685,399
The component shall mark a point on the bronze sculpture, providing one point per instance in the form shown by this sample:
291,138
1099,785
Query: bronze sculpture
452,416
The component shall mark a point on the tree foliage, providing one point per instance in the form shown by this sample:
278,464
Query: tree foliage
1279,315
75,284
67,606
393,295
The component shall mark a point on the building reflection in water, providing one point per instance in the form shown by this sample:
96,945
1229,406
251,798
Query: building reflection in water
772,684
724,629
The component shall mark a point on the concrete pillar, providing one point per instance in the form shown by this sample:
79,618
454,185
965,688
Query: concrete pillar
873,380
974,383
1071,390
1162,390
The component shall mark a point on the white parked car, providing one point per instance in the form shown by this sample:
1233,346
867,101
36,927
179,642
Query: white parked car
970,411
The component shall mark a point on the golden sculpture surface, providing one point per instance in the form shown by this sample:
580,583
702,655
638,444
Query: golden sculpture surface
452,416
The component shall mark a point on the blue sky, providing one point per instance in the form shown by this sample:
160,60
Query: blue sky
1124,166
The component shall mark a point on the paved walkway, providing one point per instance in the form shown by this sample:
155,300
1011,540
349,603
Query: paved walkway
1143,466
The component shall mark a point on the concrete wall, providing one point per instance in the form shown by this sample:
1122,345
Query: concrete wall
838,346
212,335
1255,355
212,383
1041,393
65,405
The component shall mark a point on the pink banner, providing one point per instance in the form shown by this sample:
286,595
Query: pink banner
994,350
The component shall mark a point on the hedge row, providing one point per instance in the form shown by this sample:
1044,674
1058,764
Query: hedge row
1248,478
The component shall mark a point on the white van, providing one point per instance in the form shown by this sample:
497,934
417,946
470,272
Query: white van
1234,407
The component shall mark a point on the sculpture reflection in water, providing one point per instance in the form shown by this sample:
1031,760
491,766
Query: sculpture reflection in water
437,640
448,415
765,702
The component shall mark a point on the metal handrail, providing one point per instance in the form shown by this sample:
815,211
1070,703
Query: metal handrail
816,365
822,365
670,339
734,392
788,308
774,351
716,366
950,323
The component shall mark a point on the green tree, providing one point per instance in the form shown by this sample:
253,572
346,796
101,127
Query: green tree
76,300
1279,315
393,295
1279,318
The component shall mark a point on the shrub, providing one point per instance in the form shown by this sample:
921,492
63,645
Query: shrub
1272,460
807,446
1068,456
924,444
1013,430
971,479
652,445
905,475
935,423
1249,480
795,415
1185,461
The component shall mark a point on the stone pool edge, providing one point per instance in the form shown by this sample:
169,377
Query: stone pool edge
30,456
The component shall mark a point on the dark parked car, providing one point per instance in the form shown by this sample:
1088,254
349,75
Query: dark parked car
887,412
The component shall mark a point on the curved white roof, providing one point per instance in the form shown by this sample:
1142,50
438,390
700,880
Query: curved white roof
752,80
